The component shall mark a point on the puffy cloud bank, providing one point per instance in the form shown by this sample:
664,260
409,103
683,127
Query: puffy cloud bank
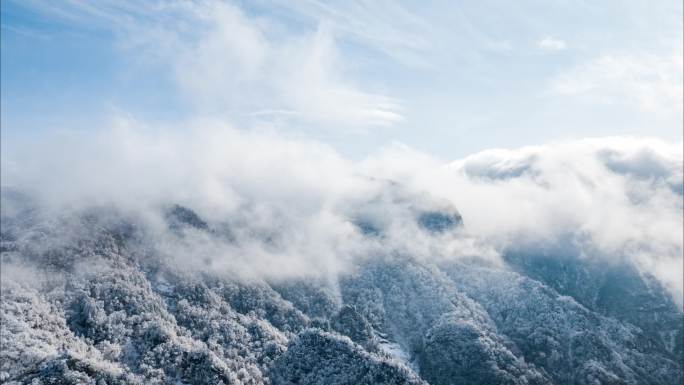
282,206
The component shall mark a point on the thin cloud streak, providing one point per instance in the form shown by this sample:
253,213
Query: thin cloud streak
553,44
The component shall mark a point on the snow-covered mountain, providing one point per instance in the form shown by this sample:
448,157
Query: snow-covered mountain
90,297
557,264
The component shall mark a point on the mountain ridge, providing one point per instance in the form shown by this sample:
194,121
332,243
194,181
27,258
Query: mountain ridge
109,310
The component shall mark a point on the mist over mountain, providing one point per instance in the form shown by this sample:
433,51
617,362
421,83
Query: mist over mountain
232,257
358,192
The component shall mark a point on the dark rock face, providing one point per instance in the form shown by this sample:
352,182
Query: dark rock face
83,304
367,228
439,222
179,217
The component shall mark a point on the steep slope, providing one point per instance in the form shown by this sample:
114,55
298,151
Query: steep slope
572,343
617,290
87,299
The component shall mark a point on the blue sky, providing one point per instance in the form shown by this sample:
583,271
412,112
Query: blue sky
449,78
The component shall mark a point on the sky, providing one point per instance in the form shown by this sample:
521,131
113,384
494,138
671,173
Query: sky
446,78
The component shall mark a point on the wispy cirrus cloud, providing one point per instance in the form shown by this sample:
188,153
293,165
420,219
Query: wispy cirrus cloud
388,26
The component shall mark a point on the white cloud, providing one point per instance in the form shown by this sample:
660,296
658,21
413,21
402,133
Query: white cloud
552,44
653,83
622,196
291,201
